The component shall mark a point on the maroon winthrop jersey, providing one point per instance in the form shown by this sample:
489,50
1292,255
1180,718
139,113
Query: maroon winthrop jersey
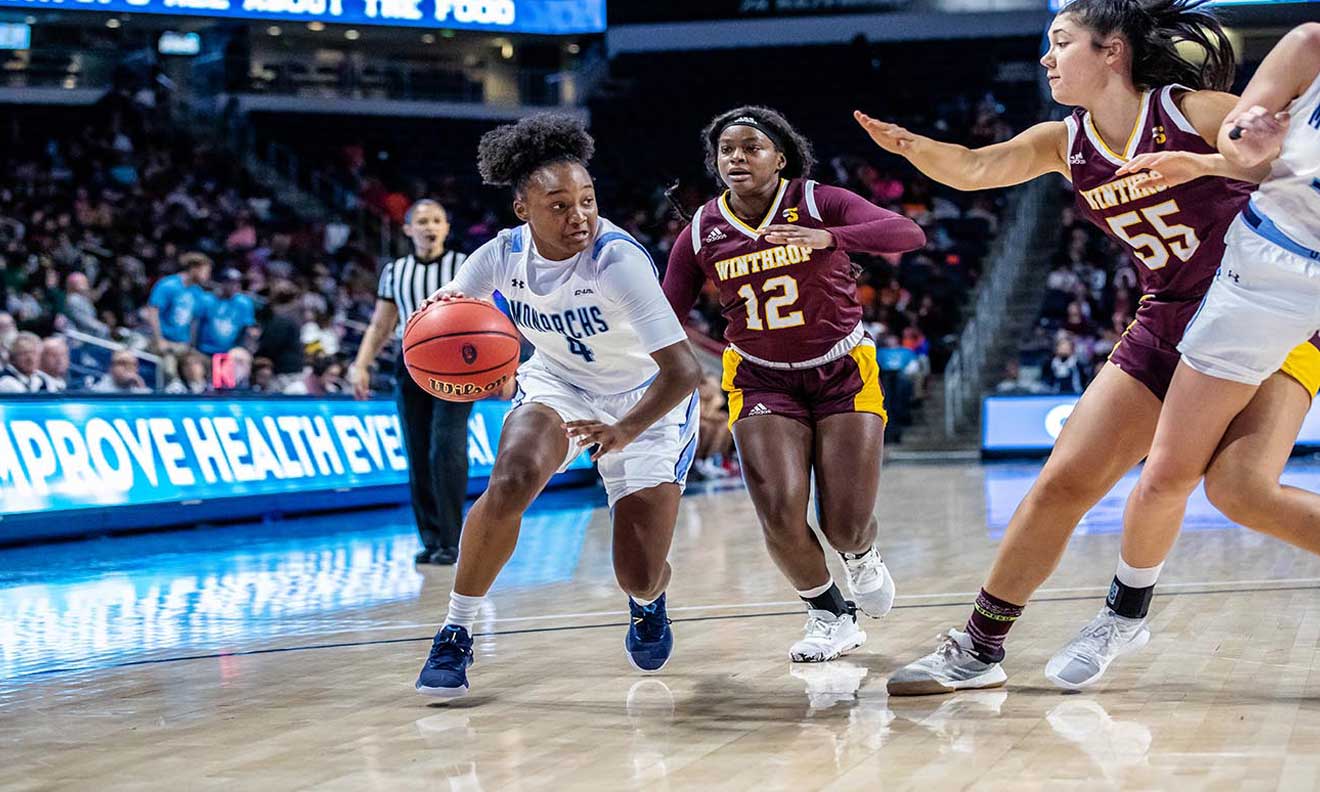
1176,234
784,303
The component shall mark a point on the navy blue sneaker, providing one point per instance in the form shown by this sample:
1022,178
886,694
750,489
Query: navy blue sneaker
445,672
650,641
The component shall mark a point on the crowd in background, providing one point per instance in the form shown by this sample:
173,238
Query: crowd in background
1091,296
136,258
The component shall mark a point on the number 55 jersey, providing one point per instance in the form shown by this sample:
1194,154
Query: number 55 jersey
1176,234
790,308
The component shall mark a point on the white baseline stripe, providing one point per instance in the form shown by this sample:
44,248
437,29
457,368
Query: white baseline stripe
960,597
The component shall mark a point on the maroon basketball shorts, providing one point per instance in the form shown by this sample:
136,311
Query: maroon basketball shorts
1148,350
850,384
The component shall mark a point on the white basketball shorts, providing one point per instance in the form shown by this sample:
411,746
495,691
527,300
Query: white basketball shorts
662,454
1264,302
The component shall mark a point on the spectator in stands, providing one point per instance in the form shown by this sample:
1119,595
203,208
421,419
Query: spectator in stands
281,337
263,375
240,367
1012,381
175,303
1064,373
319,336
55,361
8,332
194,376
23,374
123,376
80,306
227,315
715,440
325,376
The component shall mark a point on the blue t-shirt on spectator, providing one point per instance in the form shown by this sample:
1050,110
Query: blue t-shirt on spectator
223,322
179,305
894,358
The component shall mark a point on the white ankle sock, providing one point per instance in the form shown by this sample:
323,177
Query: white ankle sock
643,602
463,610
1132,577
817,591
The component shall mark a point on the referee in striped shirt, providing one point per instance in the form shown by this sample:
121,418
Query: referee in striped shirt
435,431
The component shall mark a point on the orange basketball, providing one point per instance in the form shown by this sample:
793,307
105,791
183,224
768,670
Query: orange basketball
461,350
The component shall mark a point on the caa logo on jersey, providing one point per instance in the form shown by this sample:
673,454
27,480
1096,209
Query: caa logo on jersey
580,292
485,12
791,214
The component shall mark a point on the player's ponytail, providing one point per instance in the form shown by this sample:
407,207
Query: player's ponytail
1153,29
799,157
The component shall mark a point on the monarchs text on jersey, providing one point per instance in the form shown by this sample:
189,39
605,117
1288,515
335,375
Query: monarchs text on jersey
594,319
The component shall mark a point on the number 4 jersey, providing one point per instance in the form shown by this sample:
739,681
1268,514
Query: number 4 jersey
1176,234
594,319
785,303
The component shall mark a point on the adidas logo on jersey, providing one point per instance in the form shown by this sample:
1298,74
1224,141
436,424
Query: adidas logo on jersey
759,409
715,235
1076,159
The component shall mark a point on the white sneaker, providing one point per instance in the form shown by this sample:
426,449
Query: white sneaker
869,582
952,666
827,637
1083,661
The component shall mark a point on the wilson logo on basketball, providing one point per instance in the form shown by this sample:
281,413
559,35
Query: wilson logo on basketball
469,354
465,389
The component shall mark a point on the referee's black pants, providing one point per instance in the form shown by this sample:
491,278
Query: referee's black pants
435,435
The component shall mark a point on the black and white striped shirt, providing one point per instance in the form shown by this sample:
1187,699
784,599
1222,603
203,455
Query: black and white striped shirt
407,282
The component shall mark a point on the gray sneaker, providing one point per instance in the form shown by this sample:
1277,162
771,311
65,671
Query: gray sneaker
1083,661
950,667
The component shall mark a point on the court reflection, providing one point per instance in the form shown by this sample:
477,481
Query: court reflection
91,604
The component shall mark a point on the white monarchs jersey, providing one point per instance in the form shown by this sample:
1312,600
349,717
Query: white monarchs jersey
1290,196
594,319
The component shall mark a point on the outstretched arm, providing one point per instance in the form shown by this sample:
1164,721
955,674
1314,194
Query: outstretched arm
1034,152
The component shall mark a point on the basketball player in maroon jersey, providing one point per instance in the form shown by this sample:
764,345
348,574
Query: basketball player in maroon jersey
800,372
1116,62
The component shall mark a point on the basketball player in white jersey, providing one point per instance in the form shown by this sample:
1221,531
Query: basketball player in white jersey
1263,303
612,371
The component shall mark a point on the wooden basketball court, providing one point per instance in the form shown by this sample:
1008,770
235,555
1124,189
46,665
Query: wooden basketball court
282,657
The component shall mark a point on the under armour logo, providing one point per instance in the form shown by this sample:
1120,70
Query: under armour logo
1231,274
517,284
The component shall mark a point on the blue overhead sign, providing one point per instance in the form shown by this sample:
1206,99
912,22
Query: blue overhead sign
542,17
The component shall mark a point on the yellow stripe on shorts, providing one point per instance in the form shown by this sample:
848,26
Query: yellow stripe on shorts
870,399
1303,365
731,362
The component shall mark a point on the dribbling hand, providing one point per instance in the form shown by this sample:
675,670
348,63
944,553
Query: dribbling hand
441,295
606,437
1257,135
890,137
